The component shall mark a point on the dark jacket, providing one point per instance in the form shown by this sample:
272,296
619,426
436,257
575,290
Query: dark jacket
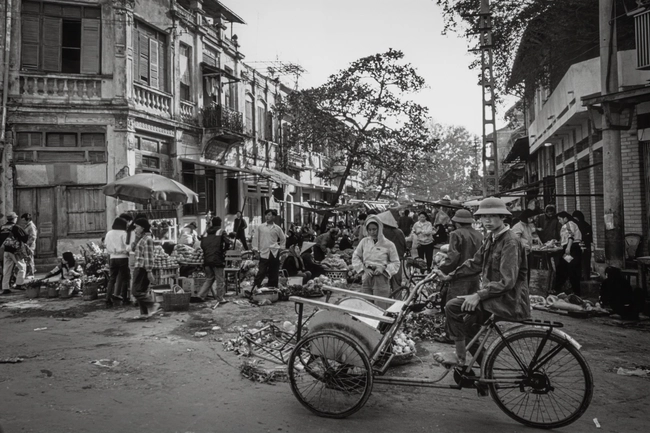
586,231
464,242
214,246
293,265
397,237
239,227
12,229
550,228
316,269
345,243
405,224
503,268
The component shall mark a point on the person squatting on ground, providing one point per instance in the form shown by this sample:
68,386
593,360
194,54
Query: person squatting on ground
13,239
423,229
377,260
269,239
32,234
325,243
501,262
143,268
214,246
117,248
464,242
67,269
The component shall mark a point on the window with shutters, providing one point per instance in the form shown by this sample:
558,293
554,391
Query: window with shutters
261,120
47,147
60,38
249,114
150,56
152,156
185,72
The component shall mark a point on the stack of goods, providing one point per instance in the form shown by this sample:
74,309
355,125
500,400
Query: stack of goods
425,326
187,255
334,262
441,255
403,348
96,265
162,260
551,245
249,269
346,256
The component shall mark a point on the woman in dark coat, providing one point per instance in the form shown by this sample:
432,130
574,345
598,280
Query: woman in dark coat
587,240
316,269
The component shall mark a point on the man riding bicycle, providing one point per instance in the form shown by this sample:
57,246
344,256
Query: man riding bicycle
501,263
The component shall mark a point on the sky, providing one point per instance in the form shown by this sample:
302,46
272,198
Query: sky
326,36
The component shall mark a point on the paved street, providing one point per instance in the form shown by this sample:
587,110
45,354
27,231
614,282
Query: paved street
166,380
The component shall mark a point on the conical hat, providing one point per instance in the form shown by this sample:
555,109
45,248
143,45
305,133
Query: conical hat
387,219
306,246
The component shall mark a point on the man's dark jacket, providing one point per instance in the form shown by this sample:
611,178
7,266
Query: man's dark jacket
214,246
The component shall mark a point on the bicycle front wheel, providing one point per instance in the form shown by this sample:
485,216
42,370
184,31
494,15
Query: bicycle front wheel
553,393
330,374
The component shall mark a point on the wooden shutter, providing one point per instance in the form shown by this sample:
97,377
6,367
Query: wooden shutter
30,40
52,44
162,66
153,64
143,69
90,42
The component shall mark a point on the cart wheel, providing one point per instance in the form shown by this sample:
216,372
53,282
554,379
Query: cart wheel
330,374
551,394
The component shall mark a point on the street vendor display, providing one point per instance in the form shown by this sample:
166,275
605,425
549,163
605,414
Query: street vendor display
69,272
542,266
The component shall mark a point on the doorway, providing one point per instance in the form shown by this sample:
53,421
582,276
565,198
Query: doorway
40,202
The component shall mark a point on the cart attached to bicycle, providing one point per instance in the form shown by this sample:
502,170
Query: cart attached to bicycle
534,372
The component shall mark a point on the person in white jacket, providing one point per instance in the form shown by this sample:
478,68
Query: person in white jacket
376,259
116,246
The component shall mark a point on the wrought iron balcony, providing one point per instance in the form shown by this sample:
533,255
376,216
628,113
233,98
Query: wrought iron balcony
218,116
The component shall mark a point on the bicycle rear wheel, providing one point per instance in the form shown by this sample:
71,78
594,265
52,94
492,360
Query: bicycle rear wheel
551,394
330,374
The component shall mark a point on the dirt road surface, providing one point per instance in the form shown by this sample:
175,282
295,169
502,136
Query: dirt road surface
157,377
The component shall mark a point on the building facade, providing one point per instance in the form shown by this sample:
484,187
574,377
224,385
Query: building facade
101,89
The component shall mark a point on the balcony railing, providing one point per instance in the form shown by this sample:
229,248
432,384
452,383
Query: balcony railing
218,116
188,112
152,101
184,13
296,158
63,87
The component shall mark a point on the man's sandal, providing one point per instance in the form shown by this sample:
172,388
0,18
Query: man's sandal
447,359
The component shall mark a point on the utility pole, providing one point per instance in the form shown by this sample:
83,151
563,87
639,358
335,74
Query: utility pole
612,161
489,157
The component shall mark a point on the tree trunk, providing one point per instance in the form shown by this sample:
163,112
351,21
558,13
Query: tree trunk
339,191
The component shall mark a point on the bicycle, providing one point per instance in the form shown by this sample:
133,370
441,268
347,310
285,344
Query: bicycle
534,372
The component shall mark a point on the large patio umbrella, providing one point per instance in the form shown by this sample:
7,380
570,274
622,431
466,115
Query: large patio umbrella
148,187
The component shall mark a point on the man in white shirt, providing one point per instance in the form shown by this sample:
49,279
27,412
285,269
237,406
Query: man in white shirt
268,239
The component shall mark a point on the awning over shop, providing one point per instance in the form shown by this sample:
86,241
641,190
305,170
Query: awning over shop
276,176
518,151
309,208
223,168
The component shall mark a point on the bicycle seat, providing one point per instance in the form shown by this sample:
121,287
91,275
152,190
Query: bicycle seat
533,322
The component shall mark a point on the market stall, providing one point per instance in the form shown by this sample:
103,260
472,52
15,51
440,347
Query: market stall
542,267
150,188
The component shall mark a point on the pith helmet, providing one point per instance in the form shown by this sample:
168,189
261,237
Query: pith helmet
492,206
463,216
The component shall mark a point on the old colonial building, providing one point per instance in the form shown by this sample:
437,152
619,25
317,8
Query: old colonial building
101,89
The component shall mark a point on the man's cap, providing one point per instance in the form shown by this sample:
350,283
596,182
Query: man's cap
12,216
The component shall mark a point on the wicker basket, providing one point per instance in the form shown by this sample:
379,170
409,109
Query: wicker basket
53,290
33,292
176,300
90,291
334,274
